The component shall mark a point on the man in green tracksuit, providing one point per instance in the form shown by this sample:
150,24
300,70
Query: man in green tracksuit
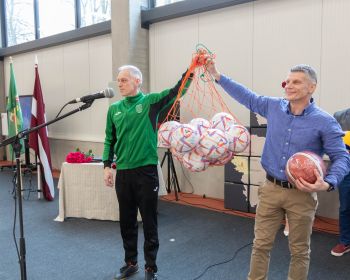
131,134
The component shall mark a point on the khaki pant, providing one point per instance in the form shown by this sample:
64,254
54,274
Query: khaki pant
274,203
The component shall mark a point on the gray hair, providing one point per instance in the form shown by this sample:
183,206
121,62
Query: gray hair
133,70
306,69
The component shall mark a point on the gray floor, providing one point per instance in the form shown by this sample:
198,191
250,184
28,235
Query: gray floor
191,239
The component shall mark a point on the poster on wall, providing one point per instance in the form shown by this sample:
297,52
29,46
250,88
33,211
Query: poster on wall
26,107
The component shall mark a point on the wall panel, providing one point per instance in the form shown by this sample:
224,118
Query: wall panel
67,72
256,44
335,55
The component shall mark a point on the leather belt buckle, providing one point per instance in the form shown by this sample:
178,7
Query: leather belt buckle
283,184
288,185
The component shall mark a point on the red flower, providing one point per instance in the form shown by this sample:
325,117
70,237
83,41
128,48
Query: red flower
114,165
77,157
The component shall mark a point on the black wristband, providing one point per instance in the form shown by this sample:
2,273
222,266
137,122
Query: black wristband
331,188
107,163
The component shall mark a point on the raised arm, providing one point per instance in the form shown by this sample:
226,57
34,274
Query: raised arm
254,102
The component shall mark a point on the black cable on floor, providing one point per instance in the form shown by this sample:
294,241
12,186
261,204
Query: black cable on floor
223,262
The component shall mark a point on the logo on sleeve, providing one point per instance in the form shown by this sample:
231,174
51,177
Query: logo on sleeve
117,114
139,108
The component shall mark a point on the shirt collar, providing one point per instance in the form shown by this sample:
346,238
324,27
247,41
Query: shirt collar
309,108
134,98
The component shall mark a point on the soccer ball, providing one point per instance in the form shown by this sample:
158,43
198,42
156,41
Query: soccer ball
184,138
302,165
195,162
238,137
222,121
164,133
176,154
225,158
201,124
213,144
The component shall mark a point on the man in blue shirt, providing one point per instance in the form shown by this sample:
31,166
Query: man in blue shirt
294,124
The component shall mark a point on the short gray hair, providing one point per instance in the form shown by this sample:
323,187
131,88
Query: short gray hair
133,70
306,69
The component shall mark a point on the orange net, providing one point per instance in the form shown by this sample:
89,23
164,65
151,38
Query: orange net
212,135
201,99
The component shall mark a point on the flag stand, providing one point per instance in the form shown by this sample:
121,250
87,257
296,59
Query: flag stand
15,142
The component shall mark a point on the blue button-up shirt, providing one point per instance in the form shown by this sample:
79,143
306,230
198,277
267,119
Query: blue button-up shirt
314,130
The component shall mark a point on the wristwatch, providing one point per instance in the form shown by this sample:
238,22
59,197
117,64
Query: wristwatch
331,187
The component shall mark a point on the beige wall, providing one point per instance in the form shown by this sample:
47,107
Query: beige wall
256,43
67,72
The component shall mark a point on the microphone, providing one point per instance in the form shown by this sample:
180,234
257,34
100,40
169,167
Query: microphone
108,93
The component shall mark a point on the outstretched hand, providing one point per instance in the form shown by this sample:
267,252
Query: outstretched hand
319,185
211,68
206,59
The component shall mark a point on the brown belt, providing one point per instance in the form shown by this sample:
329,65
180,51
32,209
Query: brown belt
283,184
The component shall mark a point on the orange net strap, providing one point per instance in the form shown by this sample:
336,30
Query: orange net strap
201,99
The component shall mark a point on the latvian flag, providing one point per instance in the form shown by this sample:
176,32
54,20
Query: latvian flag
39,141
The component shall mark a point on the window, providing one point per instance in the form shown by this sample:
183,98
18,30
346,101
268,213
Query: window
19,21
165,2
94,11
27,20
56,16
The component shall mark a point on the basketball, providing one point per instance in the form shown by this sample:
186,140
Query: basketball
302,165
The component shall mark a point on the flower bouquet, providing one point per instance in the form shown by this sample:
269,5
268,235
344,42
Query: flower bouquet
79,157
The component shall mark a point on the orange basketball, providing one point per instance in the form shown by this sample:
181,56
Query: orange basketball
302,165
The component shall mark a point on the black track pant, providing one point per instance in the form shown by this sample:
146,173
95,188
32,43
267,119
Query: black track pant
138,189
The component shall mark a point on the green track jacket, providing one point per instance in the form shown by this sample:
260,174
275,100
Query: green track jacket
131,128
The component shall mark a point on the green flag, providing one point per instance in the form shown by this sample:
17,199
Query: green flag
14,112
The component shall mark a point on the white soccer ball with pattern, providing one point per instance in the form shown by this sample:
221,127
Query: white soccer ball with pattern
184,138
238,137
222,121
201,124
225,158
176,154
213,144
164,133
195,162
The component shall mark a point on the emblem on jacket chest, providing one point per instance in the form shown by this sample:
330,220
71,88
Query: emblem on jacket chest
139,108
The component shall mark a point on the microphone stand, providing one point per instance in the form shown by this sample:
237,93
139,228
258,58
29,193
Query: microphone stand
15,142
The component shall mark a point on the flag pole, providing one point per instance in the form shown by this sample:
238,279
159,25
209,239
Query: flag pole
37,161
16,132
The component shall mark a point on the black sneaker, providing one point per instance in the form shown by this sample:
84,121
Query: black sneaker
150,274
126,271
